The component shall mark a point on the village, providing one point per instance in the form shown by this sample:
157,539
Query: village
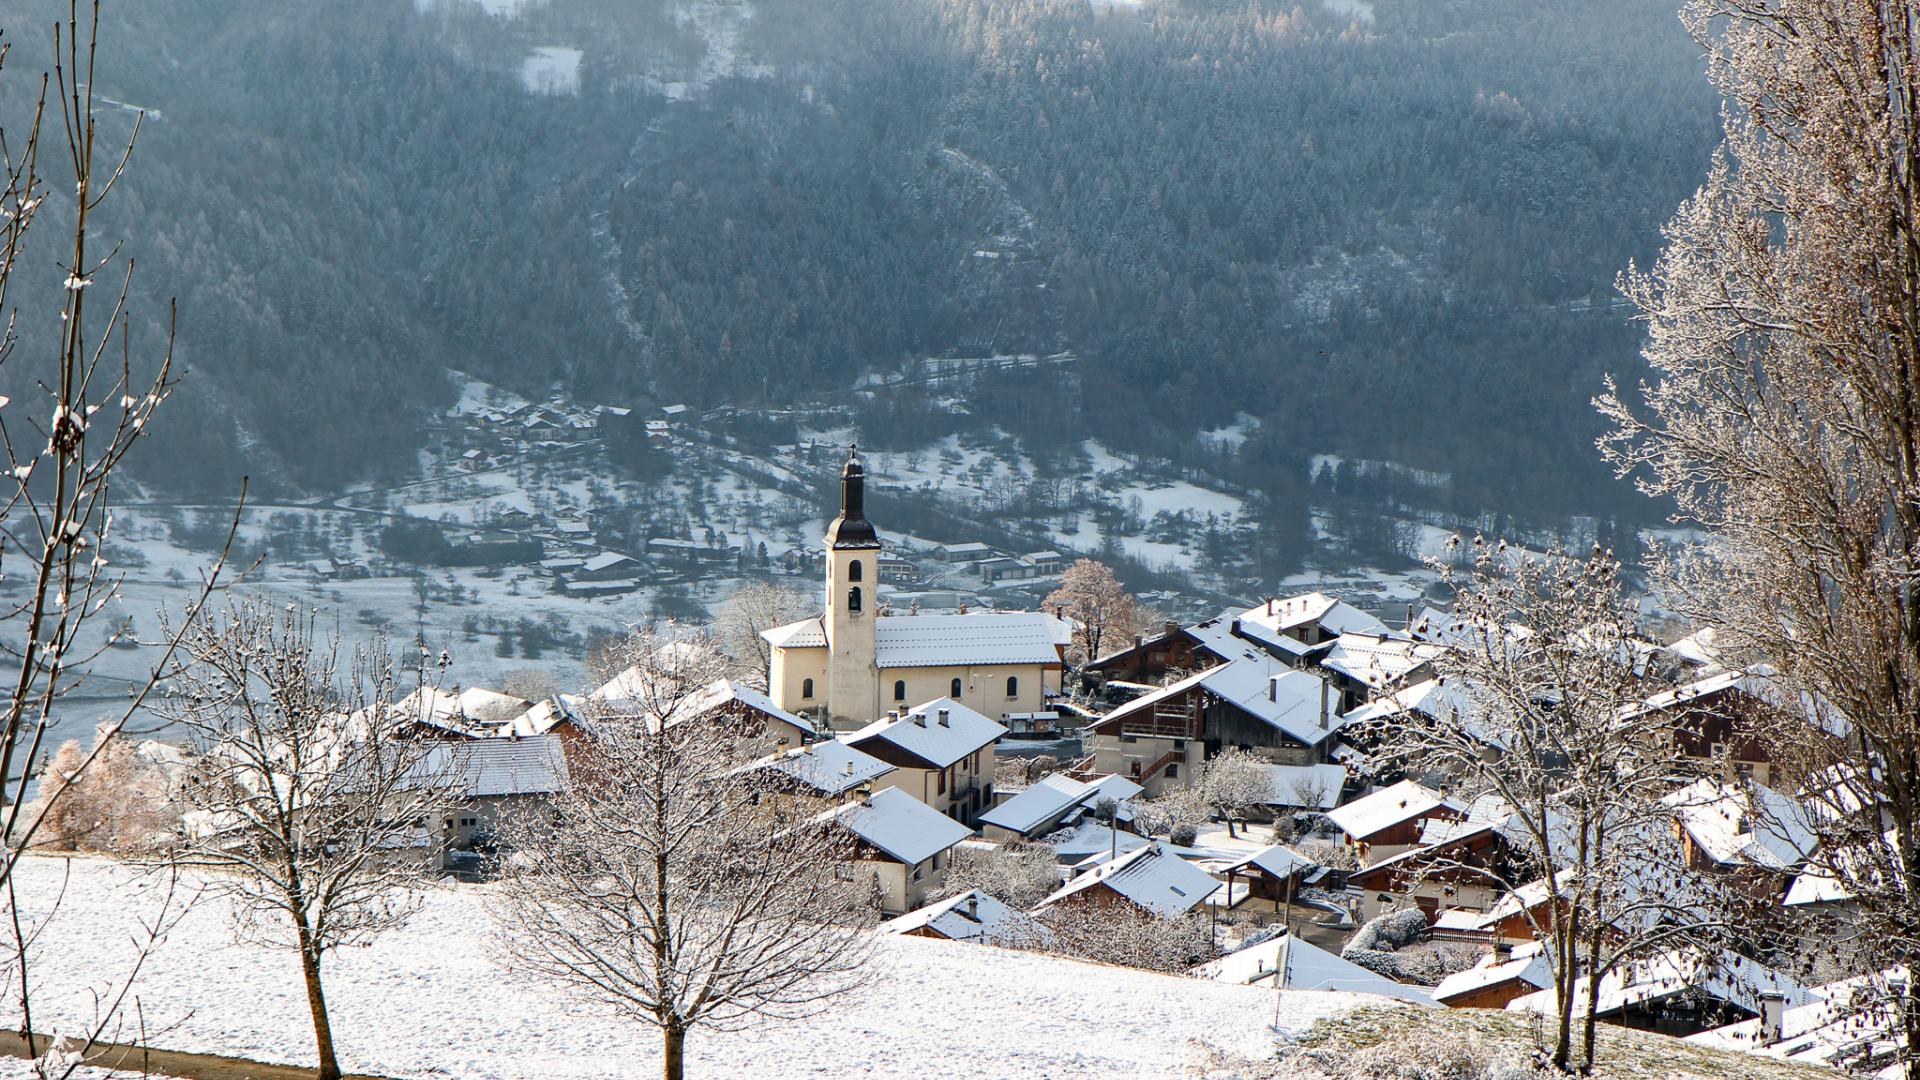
1084,778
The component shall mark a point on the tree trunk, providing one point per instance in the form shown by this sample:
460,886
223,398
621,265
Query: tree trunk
317,1003
675,1052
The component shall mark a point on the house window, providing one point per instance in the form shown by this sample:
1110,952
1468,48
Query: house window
953,691
899,689
806,688
943,782
853,570
1173,772
853,599
1013,686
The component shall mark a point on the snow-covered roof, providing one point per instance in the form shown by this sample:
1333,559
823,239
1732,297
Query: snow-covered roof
545,715
605,560
1388,807
1052,798
1532,968
1378,660
1314,786
1261,686
982,639
902,827
628,687
1090,838
1293,964
1850,1023
830,768
490,706
969,916
921,733
1313,609
1760,682
1436,699
807,633
1744,824
1723,976
499,766
1150,878
1279,860
985,639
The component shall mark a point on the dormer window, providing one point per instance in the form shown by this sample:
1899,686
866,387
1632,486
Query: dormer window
853,570
853,598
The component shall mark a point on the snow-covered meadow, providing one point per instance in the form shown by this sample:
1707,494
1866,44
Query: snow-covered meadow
432,1000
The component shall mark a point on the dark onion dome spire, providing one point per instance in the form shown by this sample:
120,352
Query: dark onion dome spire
852,530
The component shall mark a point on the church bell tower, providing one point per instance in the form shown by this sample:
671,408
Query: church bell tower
853,578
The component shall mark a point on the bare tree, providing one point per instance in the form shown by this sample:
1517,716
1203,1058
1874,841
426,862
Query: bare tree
754,608
673,891
314,812
1545,722
86,405
1100,606
1783,415
1233,782
1125,935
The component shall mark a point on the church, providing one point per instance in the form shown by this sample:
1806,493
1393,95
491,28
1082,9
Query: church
852,665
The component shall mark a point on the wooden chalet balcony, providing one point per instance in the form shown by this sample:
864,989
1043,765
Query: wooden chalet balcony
1168,720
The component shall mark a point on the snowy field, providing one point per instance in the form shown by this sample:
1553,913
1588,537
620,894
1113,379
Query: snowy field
431,1001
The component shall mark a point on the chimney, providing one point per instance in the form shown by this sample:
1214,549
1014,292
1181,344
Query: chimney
1236,628
1170,627
944,716
1136,641
1269,606
1273,688
920,719
849,769
1502,952
973,907
1773,1017
1323,704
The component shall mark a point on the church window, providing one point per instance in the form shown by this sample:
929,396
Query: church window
1013,686
853,599
954,691
806,688
853,570
899,689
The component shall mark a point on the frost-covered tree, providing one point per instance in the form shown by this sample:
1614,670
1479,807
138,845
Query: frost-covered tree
753,608
1543,722
676,891
1019,875
314,814
1124,935
1782,414
1101,608
104,799
1233,782
74,401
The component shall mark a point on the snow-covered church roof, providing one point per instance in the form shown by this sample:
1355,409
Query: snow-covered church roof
983,639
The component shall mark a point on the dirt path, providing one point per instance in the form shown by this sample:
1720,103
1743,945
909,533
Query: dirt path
143,1061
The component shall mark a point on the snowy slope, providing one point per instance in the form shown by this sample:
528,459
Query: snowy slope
431,1001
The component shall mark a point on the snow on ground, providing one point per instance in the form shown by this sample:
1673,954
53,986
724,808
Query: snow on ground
431,1000
1361,10
551,69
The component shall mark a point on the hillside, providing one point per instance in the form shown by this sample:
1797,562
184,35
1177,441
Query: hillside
1385,231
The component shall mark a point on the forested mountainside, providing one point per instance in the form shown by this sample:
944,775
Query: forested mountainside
1386,231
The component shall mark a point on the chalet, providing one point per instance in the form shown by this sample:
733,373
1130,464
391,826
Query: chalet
474,460
1682,991
1500,977
1254,702
1389,821
1456,869
1312,618
1741,828
1148,880
902,844
973,551
1178,649
969,916
1288,963
892,567
606,573
1716,719
852,663
1053,803
494,779
432,712
942,754
1365,666
1274,877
